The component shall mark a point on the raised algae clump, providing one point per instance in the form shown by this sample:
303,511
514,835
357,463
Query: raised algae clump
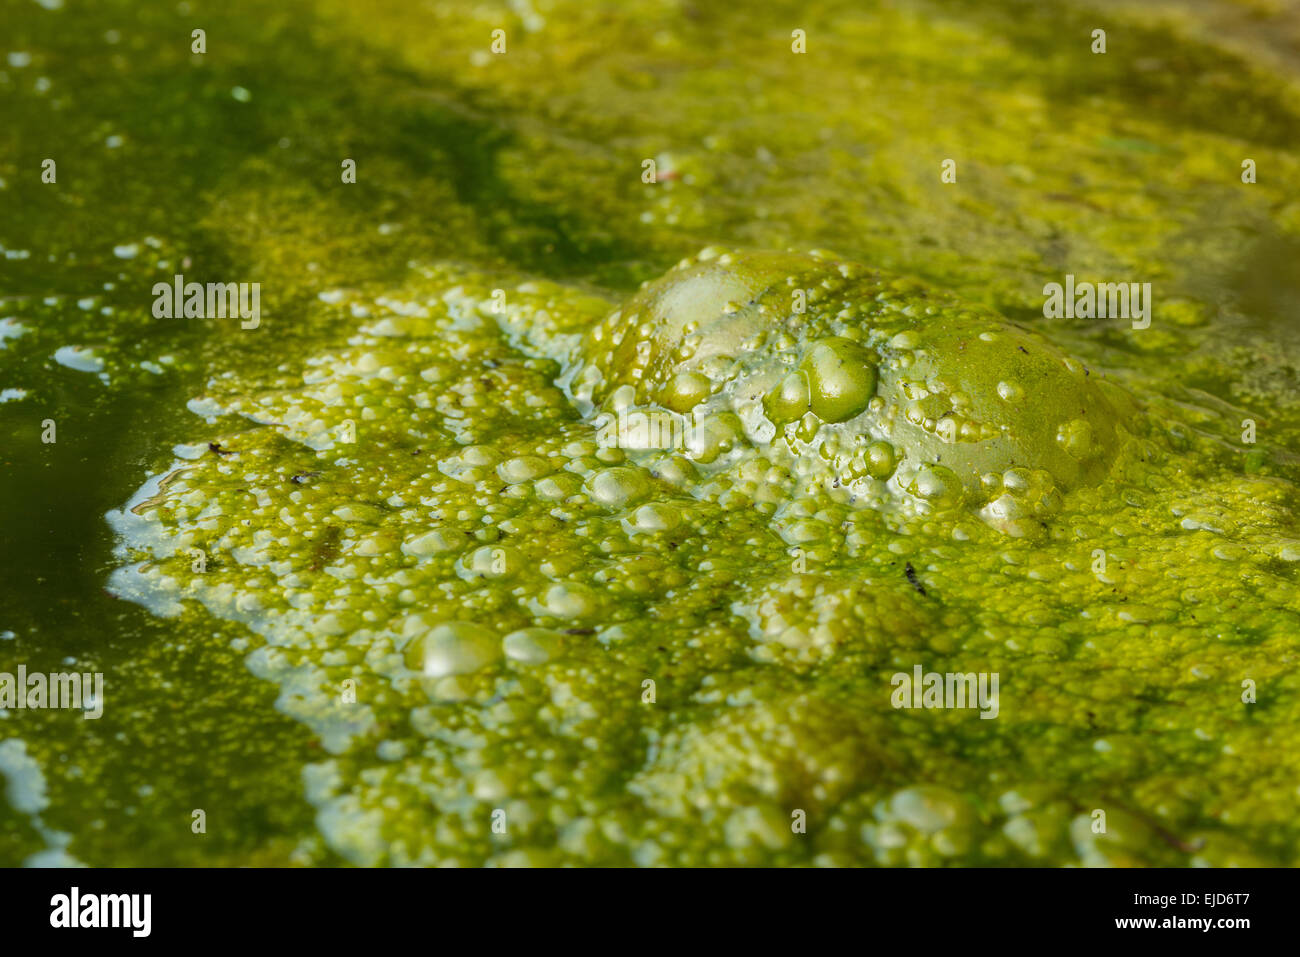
839,374
521,640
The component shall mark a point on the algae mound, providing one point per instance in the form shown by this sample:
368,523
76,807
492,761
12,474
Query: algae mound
835,370
666,655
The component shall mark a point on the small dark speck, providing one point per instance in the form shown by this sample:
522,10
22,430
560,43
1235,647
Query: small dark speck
580,631
910,572
1023,349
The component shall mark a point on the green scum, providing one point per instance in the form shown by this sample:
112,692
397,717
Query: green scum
411,581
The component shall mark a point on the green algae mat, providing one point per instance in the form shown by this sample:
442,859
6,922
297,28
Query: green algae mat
555,433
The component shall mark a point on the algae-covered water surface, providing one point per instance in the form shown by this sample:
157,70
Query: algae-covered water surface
550,433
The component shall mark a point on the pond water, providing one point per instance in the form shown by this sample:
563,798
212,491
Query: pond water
911,569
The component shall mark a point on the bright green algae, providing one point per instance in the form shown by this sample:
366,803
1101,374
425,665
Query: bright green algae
498,587
477,532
